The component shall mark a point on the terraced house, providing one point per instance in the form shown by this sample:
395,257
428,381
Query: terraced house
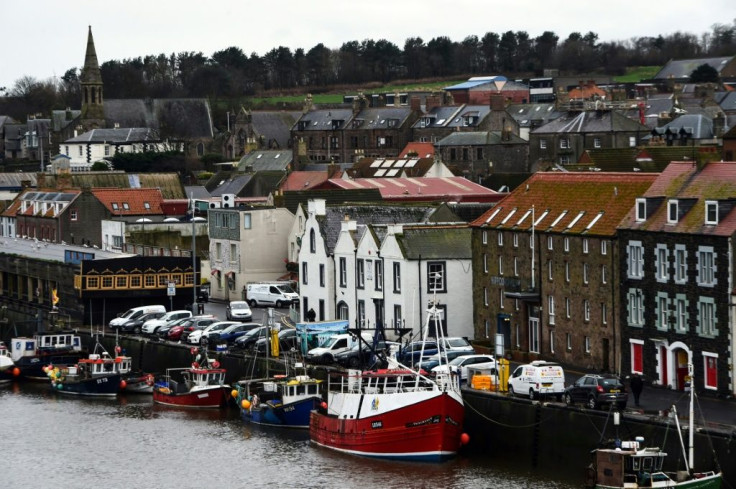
677,278
545,268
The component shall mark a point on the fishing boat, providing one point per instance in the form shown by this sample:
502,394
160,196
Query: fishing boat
98,375
132,381
202,385
31,355
631,465
278,400
8,370
394,413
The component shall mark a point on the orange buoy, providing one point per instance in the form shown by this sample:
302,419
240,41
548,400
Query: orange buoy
123,384
16,371
234,393
245,404
464,438
323,405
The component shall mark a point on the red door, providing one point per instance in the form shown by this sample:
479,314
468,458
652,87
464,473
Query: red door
637,362
711,373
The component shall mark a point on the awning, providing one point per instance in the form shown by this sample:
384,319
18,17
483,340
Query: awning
215,272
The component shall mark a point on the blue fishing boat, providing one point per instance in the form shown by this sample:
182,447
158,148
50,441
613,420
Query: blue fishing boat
97,375
32,355
278,401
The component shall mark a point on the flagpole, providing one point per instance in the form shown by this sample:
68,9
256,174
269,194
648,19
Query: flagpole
194,261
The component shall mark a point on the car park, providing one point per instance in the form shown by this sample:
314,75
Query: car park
460,365
152,325
538,378
596,391
238,311
193,324
199,336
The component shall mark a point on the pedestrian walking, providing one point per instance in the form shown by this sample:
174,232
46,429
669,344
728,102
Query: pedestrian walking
311,315
637,385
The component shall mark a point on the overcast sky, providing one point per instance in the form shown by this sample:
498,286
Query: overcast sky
44,38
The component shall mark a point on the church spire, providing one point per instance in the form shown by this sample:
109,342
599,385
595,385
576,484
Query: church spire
93,114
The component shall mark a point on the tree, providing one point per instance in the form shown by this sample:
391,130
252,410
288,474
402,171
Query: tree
489,50
704,73
99,166
415,57
319,69
507,51
545,48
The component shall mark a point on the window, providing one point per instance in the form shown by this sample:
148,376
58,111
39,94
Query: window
247,220
487,325
711,212
343,272
500,265
585,245
361,273
660,259
146,205
550,244
680,313
397,276
672,212
663,311
361,314
586,310
632,141
397,317
564,143
550,275
635,307
312,241
73,215
534,336
604,272
126,206
500,239
587,344
233,253
585,273
485,296
516,240
567,272
321,275
342,311
379,275
305,270
564,159
516,267
478,153
552,341
635,259
81,151
551,309
707,317
501,297
566,244
542,144
596,142
485,263
485,237
604,247
568,341
641,210
604,316
114,206
706,266
218,251
436,277
680,264
567,307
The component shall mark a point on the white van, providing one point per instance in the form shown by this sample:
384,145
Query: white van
134,313
537,379
325,354
277,294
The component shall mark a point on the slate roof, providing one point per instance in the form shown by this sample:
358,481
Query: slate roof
697,125
590,121
59,119
377,117
293,198
683,67
140,201
234,184
438,116
266,160
275,125
196,192
455,189
525,114
436,243
168,183
478,138
684,180
5,119
376,213
726,100
189,118
13,135
117,135
14,180
321,119
569,203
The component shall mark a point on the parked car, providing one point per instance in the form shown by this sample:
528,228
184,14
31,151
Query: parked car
134,325
287,341
360,355
199,336
456,343
134,313
597,390
231,333
325,354
461,364
429,363
410,353
248,340
277,294
536,379
238,311
180,332
163,331
152,325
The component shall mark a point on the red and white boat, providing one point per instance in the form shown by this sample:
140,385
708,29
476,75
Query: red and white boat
395,413
200,386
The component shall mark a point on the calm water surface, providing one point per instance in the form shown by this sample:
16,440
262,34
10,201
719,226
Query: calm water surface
66,442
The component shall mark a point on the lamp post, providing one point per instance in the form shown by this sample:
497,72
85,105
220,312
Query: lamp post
194,260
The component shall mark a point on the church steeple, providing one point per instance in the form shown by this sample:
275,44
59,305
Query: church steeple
93,114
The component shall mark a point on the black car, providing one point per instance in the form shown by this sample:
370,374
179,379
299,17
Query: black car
597,390
360,355
248,340
134,325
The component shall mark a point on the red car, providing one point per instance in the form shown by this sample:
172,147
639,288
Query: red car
175,333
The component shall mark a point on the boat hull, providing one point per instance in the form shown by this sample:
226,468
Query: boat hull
292,415
210,398
712,481
426,430
31,368
107,386
141,384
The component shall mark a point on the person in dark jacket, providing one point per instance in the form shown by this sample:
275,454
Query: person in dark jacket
311,315
637,385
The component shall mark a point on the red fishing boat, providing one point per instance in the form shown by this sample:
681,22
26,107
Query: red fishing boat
395,413
202,385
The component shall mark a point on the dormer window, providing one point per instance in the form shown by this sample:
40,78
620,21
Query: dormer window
146,205
672,212
641,210
392,122
303,125
711,212
114,206
126,206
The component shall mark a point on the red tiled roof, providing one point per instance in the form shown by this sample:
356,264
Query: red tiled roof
569,202
423,150
304,180
683,180
139,201
447,189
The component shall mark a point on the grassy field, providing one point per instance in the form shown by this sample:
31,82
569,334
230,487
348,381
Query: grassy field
637,74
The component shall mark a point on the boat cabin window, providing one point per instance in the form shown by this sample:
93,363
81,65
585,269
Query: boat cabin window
312,389
300,390
647,463
636,463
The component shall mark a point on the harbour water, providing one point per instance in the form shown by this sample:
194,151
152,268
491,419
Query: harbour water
68,442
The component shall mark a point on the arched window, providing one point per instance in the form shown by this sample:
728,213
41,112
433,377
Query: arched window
342,310
312,241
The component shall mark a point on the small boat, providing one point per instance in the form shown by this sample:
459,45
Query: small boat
31,355
133,381
8,370
97,375
630,465
202,385
279,400
394,413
